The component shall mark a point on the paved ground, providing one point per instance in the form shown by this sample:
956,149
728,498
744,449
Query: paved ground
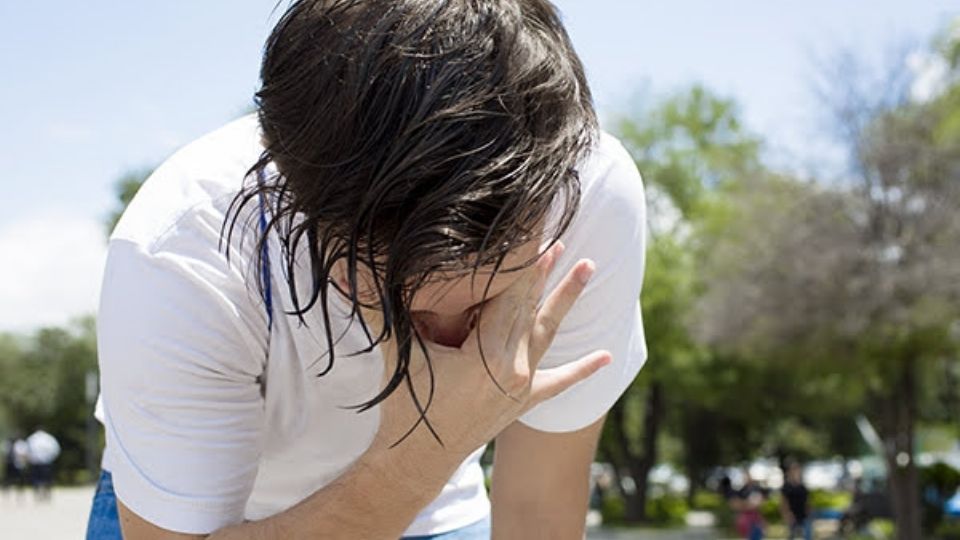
652,534
65,517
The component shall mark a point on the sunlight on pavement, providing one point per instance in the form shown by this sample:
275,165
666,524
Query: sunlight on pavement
64,518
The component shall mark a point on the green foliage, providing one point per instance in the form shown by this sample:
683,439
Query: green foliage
663,510
942,477
43,377
878,529
821,499
948,530
726,519
794,438
667,510
770,509
707,500
43,382
613,509
947,106
669,287
882,528
29,377
938,437
938,482
778,308
685,146
689,143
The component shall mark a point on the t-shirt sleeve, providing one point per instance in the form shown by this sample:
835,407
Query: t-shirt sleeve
181,346
610,229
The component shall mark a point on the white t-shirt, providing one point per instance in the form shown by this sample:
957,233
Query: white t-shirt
21,454
42,448
211,418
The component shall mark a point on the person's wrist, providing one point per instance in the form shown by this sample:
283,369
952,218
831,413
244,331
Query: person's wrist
416,468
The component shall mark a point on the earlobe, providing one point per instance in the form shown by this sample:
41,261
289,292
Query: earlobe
422,328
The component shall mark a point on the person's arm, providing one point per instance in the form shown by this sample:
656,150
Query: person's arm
541,464
376,498
382,493
541,482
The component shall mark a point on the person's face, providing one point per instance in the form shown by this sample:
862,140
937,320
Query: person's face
795,474
448,296
444,308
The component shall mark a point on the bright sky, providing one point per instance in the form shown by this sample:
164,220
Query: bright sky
92,89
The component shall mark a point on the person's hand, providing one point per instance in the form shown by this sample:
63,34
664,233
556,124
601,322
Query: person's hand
470,405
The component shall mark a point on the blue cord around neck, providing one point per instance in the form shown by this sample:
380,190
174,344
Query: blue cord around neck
265,255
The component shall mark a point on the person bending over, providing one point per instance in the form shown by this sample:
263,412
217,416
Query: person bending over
314,318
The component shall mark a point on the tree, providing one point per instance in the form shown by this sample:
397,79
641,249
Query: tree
43,382
857,281
685,146
44,376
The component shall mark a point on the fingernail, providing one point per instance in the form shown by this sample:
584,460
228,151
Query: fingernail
585,272
605,360
551,255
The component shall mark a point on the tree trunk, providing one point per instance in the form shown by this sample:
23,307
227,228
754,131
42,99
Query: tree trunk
898,419
624,456
695,433
625,461
702,430
695,481
640,469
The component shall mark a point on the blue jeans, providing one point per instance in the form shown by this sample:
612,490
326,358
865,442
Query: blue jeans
104,523
478,531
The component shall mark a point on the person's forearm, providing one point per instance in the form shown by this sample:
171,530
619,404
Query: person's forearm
533,522
557,513
378,497
541,482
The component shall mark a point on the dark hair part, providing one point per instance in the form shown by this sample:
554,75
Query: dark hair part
414,137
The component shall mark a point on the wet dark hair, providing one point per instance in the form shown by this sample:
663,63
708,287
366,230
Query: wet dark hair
413,137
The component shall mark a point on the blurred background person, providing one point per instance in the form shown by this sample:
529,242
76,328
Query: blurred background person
43,450
14,452
795,504
746,503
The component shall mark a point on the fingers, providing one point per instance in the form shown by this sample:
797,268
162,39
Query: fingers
556,307
545,266
530,293
500,315
547,383
525,293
